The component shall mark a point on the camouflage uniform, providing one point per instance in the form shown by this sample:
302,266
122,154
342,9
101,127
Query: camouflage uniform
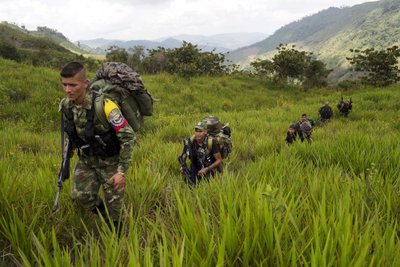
325,113
202,157
305,131
92,171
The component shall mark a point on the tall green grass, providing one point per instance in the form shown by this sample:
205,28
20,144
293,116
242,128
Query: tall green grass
333,203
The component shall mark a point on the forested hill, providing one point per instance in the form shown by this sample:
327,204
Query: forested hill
58,38
332,32
44,47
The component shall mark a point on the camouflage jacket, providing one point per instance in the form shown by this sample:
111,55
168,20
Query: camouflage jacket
124,132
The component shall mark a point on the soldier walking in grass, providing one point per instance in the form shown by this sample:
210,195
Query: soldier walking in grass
325,113
104,153
292,134
345,107
204,154
305,129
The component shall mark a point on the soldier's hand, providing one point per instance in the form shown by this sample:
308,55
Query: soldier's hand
181,170
119,180
203,171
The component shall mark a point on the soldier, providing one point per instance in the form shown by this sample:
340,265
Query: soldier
325,112
291,134
344,107
104,154
204,154
305,129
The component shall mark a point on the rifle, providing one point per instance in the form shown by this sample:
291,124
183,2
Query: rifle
182,159
64,172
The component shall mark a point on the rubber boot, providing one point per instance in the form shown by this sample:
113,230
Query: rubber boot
100,208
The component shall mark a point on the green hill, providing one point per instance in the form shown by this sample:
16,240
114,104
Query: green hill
39,48
333,203
331,33
58,38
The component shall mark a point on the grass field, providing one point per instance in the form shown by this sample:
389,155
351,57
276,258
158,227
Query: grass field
333,203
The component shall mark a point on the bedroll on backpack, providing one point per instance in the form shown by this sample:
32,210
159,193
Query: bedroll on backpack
119,82
221,132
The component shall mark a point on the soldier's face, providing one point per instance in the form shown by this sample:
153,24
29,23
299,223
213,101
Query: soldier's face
200,134
75,87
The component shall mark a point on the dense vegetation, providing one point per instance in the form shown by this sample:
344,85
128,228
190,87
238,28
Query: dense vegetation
335,202
379,67
292,65
186,61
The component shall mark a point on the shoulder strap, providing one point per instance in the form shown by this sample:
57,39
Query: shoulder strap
99,109
209,143
89,127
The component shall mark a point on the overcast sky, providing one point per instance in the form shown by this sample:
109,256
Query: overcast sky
151,19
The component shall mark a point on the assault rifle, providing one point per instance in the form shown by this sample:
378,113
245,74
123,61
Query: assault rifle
64,172
182,159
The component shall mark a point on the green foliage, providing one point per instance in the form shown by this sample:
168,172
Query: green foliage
186,61
116,54
380,67
290,64
335,202
9,51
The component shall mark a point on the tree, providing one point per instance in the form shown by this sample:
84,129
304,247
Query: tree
316,73
135,57
263,67
9,51
379,67
156,61
290,65
116,53
186,61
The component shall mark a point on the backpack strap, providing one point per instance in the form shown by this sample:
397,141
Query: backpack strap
69,127
99,109
209,143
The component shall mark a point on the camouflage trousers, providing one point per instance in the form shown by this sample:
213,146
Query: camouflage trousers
89,174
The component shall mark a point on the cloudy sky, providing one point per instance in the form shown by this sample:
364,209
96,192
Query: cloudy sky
152,19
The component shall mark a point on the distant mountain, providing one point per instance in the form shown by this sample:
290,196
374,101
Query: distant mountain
331,33
229,41
221,43
100,45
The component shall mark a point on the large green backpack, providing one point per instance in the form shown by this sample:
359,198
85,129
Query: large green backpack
221,132
123,85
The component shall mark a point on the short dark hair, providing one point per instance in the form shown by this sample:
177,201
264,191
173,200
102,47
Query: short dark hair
71,69
304,115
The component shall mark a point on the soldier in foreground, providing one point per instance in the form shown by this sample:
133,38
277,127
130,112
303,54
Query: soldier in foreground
204,154
104,153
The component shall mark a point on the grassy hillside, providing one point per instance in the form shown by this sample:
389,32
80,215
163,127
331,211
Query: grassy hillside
331,33
34,48
335,202
58,38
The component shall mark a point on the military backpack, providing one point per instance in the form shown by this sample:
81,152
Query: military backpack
221,132
119,82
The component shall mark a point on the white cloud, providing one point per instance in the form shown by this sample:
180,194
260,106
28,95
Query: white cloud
150,19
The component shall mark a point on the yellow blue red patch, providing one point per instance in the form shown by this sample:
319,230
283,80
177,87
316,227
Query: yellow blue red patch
116,119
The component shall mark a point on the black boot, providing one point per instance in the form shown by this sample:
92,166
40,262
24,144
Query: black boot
100,208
